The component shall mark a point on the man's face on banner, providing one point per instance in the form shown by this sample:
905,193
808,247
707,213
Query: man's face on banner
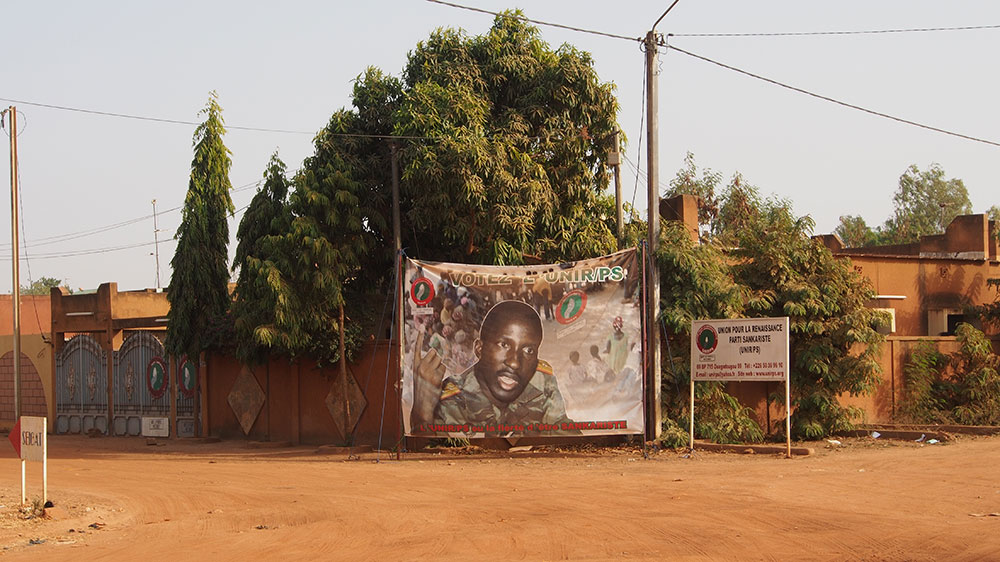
508,356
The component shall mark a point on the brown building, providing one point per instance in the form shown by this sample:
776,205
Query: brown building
928,288
36,359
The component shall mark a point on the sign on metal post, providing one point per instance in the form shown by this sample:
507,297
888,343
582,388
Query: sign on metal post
30,442
741,349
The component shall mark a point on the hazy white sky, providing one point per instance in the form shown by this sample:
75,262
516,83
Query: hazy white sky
289,65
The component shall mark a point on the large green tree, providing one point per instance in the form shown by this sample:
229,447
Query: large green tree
759,260
924,203
501,144
313,252
833,340
513,138
254,301
198,292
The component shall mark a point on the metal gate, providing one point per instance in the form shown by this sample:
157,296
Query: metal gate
141,387
141,383
81,387
187,392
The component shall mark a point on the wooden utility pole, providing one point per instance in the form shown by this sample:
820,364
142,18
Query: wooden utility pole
345,388
615,161
400,281
653,229
15,264
156,248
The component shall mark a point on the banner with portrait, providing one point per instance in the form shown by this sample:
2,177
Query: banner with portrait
544,350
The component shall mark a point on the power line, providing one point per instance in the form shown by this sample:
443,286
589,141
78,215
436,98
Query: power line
146,118
638,152
832,100
241,128
77,253
55,239
814,33
195,123
539,22
92,251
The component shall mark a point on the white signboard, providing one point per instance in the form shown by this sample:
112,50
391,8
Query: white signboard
743,349
155,427
33,438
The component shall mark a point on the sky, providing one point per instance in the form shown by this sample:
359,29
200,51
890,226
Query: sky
87,181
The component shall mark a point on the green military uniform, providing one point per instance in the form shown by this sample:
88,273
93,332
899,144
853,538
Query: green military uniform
464,402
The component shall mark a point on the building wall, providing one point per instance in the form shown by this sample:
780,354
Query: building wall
37,397
927,285
35,315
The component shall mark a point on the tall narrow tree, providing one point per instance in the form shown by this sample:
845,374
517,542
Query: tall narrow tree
198,291
255,301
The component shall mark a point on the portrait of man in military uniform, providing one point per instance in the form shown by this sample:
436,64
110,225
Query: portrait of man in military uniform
508,386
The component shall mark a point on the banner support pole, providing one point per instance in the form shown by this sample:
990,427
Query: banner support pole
788,398
788,418
45,464
692,414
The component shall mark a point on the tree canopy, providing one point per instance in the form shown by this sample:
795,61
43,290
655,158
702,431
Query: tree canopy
515,135
42,286
760,260
198,292
254,302
501,144
925,203
688,182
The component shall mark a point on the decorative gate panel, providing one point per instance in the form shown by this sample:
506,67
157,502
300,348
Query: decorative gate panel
187,391
81,387
141,383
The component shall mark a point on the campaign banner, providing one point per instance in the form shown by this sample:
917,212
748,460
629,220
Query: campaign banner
741,349
544,350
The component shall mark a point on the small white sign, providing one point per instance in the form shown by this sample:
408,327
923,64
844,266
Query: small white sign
155,427
743,349
33,439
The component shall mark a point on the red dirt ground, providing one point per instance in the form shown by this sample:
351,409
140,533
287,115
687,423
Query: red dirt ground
864,500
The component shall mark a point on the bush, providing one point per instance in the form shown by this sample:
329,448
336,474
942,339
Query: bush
963,387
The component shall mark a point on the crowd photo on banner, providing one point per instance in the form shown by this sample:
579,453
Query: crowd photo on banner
510,351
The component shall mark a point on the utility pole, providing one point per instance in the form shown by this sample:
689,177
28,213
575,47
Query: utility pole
397,237
615,161
15,264
653,230
156,248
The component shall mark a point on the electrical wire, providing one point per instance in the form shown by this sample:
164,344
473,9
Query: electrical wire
58,238
73,254
105,250
642,121
814,33
835,101
145,118
195,123
539,22
257,129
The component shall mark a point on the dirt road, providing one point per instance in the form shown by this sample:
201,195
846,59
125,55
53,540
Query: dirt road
119,499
